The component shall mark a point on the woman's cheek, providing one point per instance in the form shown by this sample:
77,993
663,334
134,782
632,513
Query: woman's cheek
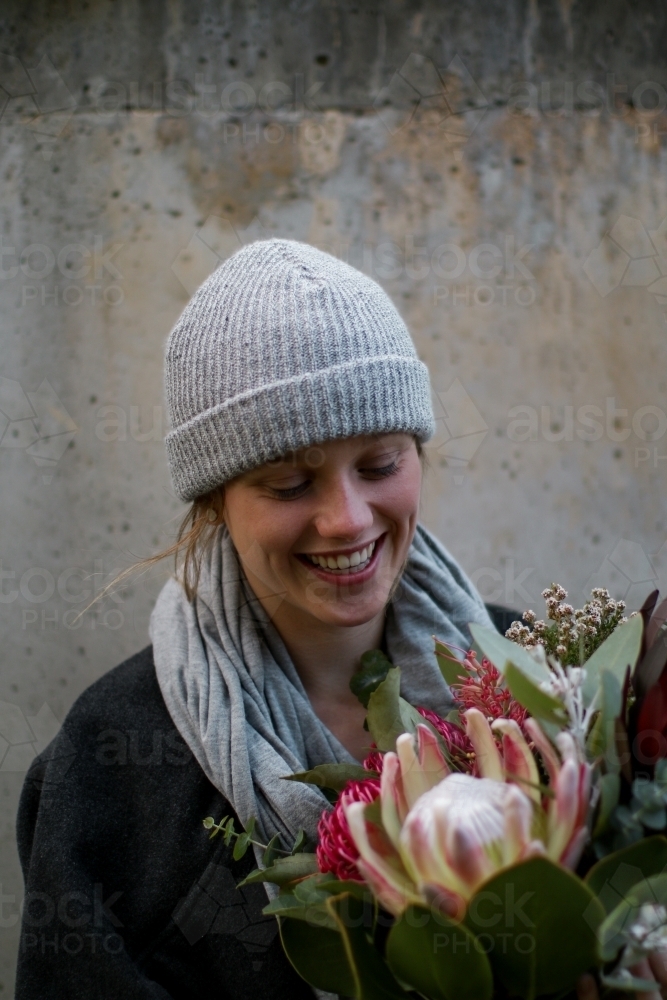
400,501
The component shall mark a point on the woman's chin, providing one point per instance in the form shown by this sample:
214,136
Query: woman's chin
349,612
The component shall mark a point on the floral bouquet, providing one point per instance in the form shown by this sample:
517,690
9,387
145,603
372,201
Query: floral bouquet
506,849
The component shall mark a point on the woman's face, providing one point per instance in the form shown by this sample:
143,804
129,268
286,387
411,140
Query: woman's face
327,529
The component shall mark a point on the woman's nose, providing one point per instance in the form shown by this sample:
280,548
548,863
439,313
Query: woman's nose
343,512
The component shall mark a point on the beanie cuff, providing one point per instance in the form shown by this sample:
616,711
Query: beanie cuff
377,396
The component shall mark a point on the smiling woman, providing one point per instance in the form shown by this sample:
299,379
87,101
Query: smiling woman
298,408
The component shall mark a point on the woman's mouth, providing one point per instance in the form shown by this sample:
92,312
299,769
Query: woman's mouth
345,567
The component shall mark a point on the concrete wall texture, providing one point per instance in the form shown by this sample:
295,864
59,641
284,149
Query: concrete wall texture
498,167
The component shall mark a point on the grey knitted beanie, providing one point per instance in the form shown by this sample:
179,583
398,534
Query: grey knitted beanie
282,347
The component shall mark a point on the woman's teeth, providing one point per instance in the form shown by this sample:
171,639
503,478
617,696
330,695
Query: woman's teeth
355,560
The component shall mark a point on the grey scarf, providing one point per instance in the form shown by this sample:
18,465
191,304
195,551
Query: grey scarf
238,702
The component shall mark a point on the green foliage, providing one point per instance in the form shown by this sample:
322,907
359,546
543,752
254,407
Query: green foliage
318,955
243,840
384,712
646,811
500,651
331,776
371,975
612,877
272,851
440,959
538,922
613,932
450,667
614,654
327,929
601,740
538,702
300,843
284,870
374,668
610,789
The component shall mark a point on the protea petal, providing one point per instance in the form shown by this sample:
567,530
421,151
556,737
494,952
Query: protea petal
489,762
393,806
462,831
431,758
563,809
468,858
415,778
518,821
518,760
572,854
379,863
543,744
423,851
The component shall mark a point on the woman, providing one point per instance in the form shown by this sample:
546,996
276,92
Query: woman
298,408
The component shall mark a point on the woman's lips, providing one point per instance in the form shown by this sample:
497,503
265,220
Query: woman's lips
346,577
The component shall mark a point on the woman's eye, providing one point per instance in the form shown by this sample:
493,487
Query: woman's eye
383,470
290,493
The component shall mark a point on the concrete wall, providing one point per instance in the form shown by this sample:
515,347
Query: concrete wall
499,168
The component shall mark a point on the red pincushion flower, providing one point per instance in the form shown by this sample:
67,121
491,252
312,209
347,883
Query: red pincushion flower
336,851
482,688
375,760
456,741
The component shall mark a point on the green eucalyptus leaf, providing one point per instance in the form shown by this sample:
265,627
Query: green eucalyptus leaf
618,652
384,711
538,702
374,668
438,958
500,651
284,870
318,955
314,914
612,932
372,977
612,878
334,776
610,789
602,737
272,851
451,667
241,846
334,887
655,820
410,717
538,923
300,843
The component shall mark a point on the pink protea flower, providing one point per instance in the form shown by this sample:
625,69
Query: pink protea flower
336,851
441,835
